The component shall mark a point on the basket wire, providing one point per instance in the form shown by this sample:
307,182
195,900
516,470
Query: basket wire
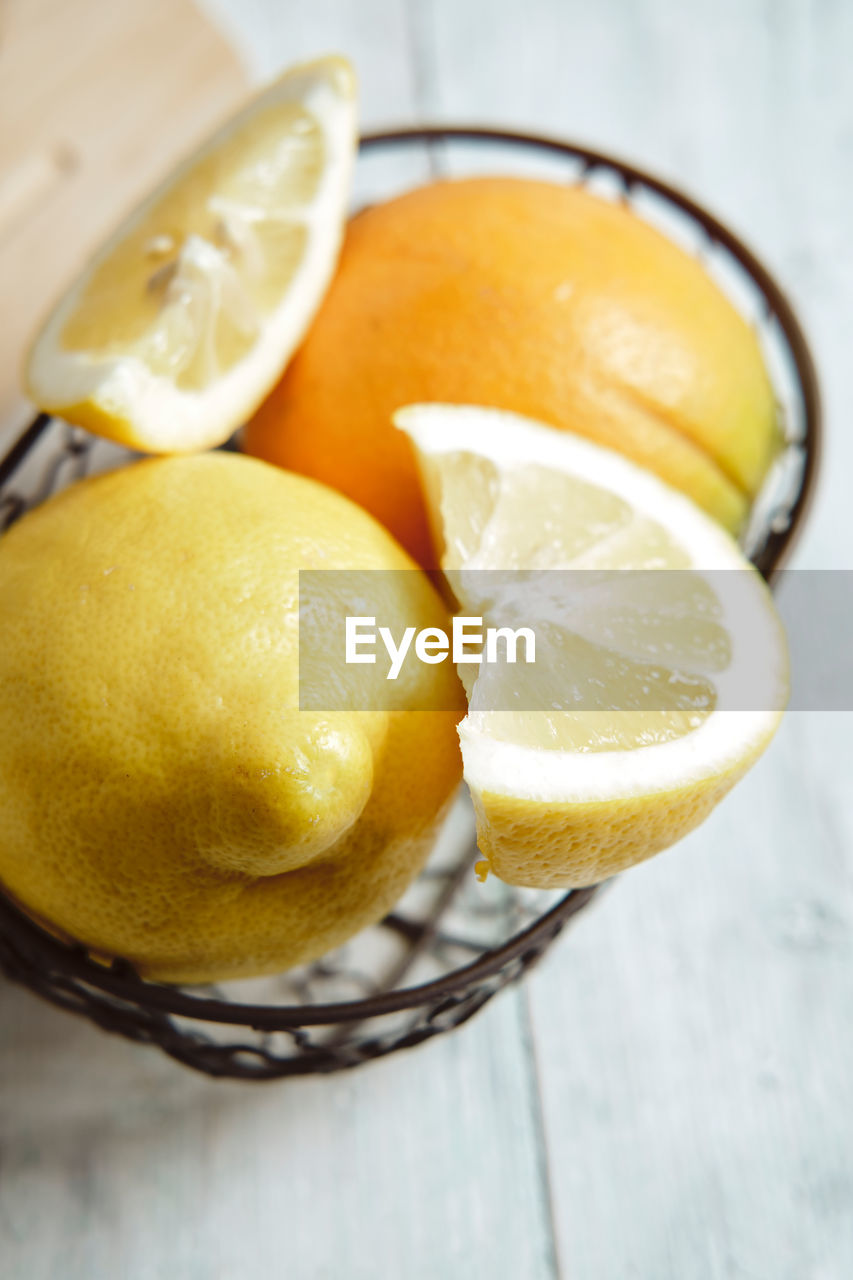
450,944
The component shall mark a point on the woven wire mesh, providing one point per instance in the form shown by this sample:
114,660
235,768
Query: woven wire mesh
451,943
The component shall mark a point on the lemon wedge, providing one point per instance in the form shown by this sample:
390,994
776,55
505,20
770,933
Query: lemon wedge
179,326
660,670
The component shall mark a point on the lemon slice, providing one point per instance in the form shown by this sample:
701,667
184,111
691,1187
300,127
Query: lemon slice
652,692
178,328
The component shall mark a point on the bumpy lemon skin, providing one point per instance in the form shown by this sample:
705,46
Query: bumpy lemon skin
162,797
570,826
539,845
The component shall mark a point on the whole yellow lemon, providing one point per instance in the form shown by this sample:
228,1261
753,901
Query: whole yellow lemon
162,795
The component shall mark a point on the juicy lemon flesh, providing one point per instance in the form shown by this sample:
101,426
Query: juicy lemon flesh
622,747
642,671
187,289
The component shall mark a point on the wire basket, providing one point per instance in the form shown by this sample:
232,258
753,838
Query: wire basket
451,943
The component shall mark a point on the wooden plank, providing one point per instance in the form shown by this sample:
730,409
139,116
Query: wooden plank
375,34
692,1033
694,1056
382,37
98,101
117,1162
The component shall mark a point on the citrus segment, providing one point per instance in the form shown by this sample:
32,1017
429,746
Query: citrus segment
662,665
177,329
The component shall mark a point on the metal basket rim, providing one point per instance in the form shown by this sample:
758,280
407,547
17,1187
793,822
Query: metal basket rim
779,544
119,979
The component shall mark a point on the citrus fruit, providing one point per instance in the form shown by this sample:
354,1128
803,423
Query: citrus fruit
162,796
182,322
664,671
531,297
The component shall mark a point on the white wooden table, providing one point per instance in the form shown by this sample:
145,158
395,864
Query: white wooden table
671,1096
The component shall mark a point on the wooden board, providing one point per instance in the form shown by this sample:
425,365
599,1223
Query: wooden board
98,99
670,1096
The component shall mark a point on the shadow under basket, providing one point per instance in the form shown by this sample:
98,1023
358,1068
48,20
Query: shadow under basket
451,943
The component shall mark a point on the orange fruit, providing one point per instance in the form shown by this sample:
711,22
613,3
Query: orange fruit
531,297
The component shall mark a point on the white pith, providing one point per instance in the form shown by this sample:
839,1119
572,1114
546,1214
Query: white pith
162,416
727,739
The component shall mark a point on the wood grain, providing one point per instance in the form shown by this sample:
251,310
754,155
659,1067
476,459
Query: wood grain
97,100
670,1097
115,1162
118,1163
692,1032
